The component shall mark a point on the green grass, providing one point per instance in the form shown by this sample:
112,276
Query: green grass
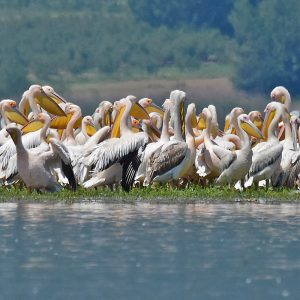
155,195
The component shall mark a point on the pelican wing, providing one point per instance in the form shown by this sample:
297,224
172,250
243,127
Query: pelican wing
166,158
130,165
295,170
97,138
12,169
226,157
60,154
264,155
111,151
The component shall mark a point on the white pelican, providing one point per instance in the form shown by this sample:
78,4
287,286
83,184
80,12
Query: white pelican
206,161
267,155
87,130
35,170
126,149
37,97
9,114
152,147
102,114
174,159
236,164
287,174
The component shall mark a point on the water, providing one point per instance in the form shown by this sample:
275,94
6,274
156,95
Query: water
144,251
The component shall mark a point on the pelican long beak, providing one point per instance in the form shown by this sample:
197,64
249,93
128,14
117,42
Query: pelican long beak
227,123
267,121
281,132
154,108
294,136
251,129
154,132
32,126
77,123
59,122
201,122
107,118
90,129
115,133
56,97
194,120
15,116
138,112
49,104
182,119
258,123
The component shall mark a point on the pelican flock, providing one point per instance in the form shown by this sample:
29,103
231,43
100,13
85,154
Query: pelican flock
47,143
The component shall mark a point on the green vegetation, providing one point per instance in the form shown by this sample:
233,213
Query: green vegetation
160,195
256,42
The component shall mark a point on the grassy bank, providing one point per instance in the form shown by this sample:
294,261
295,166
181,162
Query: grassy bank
161,195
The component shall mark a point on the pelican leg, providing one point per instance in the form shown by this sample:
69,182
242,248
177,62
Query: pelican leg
256,185
267,184
243,184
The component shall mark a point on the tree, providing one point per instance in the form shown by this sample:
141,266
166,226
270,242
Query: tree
268,37
190,13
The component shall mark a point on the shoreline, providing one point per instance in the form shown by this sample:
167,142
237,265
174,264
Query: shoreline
163,195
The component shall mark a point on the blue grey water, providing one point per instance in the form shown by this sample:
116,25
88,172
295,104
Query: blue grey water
145,251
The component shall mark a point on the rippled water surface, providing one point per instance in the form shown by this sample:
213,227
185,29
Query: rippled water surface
145,251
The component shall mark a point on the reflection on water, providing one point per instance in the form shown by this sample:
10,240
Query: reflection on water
145,251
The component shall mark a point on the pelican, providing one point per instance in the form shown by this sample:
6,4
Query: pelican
102,115
87,129
9,114
267,155
37,97
35,170
287,173
152,147
126,150
174,159
236,164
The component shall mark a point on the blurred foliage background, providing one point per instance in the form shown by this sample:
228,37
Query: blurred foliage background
78,44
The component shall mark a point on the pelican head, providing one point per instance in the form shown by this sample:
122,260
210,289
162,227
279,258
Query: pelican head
50,92
272,109
106,106
36,123
248,126
8,103
167,104
9,108
145,102
71,108
131,98
282,95
47,98
14,132
191,115
177,97
156,119
256,117
207,114
88,120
